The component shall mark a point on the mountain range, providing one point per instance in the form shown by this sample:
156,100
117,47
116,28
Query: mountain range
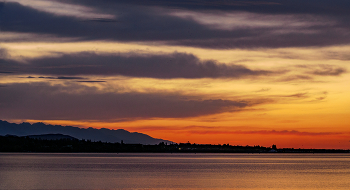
51,137
93,134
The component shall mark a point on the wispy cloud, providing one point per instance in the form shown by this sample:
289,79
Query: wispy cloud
328,70
64,8
92,81
263,90
297,95
293,78
243,20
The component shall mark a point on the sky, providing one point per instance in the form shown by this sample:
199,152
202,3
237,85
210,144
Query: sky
235,72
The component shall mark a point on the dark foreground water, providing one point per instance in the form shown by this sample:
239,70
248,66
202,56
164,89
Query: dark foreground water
174,171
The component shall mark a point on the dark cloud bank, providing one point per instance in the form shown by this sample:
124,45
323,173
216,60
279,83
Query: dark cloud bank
144,21
164,66
324,7
75,102
177,65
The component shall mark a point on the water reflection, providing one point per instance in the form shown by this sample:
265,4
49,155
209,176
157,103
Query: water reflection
174,171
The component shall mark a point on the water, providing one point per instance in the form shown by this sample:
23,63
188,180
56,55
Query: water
174,171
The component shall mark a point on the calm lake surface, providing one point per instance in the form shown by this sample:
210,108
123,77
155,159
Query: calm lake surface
174,171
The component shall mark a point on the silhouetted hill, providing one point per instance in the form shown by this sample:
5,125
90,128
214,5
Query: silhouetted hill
51,137
104,135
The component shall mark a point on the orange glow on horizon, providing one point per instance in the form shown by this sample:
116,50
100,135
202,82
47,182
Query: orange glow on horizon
283,138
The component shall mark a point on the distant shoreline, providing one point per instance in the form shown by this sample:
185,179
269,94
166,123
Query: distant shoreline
12,144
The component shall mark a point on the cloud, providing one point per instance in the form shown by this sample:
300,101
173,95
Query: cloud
60,77
295,78
337,55
322,70
135,24
63,8
328,70
92,81
320,98
263,90
7,66
3,53
336,7
297,95
259,25
75,78
75,102
166,66
5,72
70,78
241,20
